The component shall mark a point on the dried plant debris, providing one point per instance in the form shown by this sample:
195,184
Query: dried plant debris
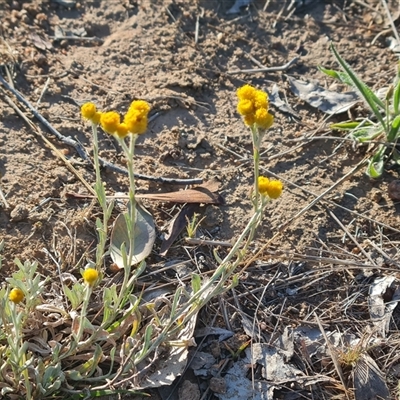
327,101
369,382
239,386
238,5
384,295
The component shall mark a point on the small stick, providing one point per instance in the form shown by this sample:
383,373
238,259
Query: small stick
393,26
159,179
196,33
3,199
197,241
88,39
46,85
270,69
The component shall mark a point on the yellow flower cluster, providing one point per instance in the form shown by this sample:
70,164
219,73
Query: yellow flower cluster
253,105
136,117
135,120
272,189
90,276
16,295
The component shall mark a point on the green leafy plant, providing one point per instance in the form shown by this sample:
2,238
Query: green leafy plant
91,336
383,130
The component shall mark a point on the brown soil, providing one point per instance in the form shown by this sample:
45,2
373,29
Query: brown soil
147,50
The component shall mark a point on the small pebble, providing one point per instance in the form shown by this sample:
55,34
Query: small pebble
394,190
19,213
218,385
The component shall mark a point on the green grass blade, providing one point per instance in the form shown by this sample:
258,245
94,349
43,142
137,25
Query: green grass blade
369,96
339,75
396,98
394,130
345,126
376,164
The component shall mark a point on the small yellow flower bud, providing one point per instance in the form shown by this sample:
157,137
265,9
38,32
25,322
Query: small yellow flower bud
110,121
96,118
263,183
274,189
246,92
122,130
249,119
260,100
88,110
136,121
16,295
141,106
263,119
245,107
90,276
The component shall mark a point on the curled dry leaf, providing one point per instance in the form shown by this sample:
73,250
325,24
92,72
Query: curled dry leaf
327,101
207,193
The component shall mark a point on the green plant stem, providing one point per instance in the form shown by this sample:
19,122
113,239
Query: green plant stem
21,357
88,292
258,200
131,220
101,197
256,137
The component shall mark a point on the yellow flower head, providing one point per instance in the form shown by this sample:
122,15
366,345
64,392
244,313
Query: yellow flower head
110,121
89,111
263,119
136,121
245,107
274,189
90,276
249,119
141,106
260,100
263,183
16,295
246,92
122,130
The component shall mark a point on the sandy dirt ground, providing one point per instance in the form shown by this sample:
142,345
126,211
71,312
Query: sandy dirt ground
179,56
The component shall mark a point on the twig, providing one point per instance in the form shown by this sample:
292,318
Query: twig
196,33
396,34
196,241
3,198
87,39
158,179
270,69
46,85
80,149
